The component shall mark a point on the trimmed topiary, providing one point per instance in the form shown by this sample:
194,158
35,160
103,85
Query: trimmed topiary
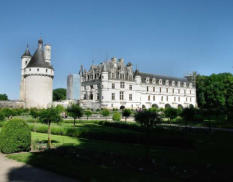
15,137
116,116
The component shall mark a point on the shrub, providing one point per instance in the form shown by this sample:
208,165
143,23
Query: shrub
126,113
105,112
15,137
2,116
116,116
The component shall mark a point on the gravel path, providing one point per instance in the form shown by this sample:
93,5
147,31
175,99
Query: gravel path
13,171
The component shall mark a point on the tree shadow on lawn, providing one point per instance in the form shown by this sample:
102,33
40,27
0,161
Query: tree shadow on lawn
98,160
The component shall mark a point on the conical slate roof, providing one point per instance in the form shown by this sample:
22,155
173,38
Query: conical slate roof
26,53
38,60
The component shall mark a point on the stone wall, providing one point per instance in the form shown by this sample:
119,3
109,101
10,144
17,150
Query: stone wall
12,104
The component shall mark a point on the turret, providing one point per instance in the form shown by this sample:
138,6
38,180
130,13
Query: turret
25,58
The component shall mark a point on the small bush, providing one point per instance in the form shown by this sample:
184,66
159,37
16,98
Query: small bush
15,137
2,116
116,116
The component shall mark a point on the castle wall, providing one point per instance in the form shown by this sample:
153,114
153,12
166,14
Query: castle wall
11,104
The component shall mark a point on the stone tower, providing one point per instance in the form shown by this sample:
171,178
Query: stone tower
37,77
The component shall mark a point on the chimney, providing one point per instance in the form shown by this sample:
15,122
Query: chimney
47,53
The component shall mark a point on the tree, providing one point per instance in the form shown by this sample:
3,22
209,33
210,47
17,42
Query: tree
105,113
147,118
171,113
35,113
75,111
3,97
48,116
116,116
126,113
88,113
59,94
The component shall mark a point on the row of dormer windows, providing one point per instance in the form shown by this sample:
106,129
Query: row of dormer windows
167,82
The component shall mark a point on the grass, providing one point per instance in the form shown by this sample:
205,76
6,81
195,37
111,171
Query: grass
102,160
86,158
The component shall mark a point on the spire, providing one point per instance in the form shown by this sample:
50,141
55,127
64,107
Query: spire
27,52
40,43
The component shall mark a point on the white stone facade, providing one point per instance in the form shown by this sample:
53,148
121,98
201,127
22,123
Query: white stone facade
36,87
113,84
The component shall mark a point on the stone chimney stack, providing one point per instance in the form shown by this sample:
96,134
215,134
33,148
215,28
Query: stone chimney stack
47,53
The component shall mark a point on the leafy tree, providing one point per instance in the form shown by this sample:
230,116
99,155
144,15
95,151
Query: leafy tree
105,113
88,113
34,112
75,111
3,97
59,94
126,113
48,116
171,113
147,118
116,116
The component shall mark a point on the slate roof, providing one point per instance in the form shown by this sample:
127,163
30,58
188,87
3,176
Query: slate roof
158,77
38,60
26,53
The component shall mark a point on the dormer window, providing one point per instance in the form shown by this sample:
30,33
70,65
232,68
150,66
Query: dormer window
184,84
26,63
167,82
153,80
38,69
173,83
160,82
147,80
190,85
178,84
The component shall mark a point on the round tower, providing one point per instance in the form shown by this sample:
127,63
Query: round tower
38,76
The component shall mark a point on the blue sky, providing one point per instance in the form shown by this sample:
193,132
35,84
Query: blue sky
169,37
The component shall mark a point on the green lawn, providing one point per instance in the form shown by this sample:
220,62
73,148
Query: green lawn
94,158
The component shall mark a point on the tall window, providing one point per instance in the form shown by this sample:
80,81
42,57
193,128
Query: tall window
113,85
153,89
160,89
178,99
178,91
98,96
174,99
147,88
190,91
162,98
153,98
148,97
167,90
121,95
186,99
173,90
167,98
130,97
184,91
113,96
122,84
130,87
190,99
